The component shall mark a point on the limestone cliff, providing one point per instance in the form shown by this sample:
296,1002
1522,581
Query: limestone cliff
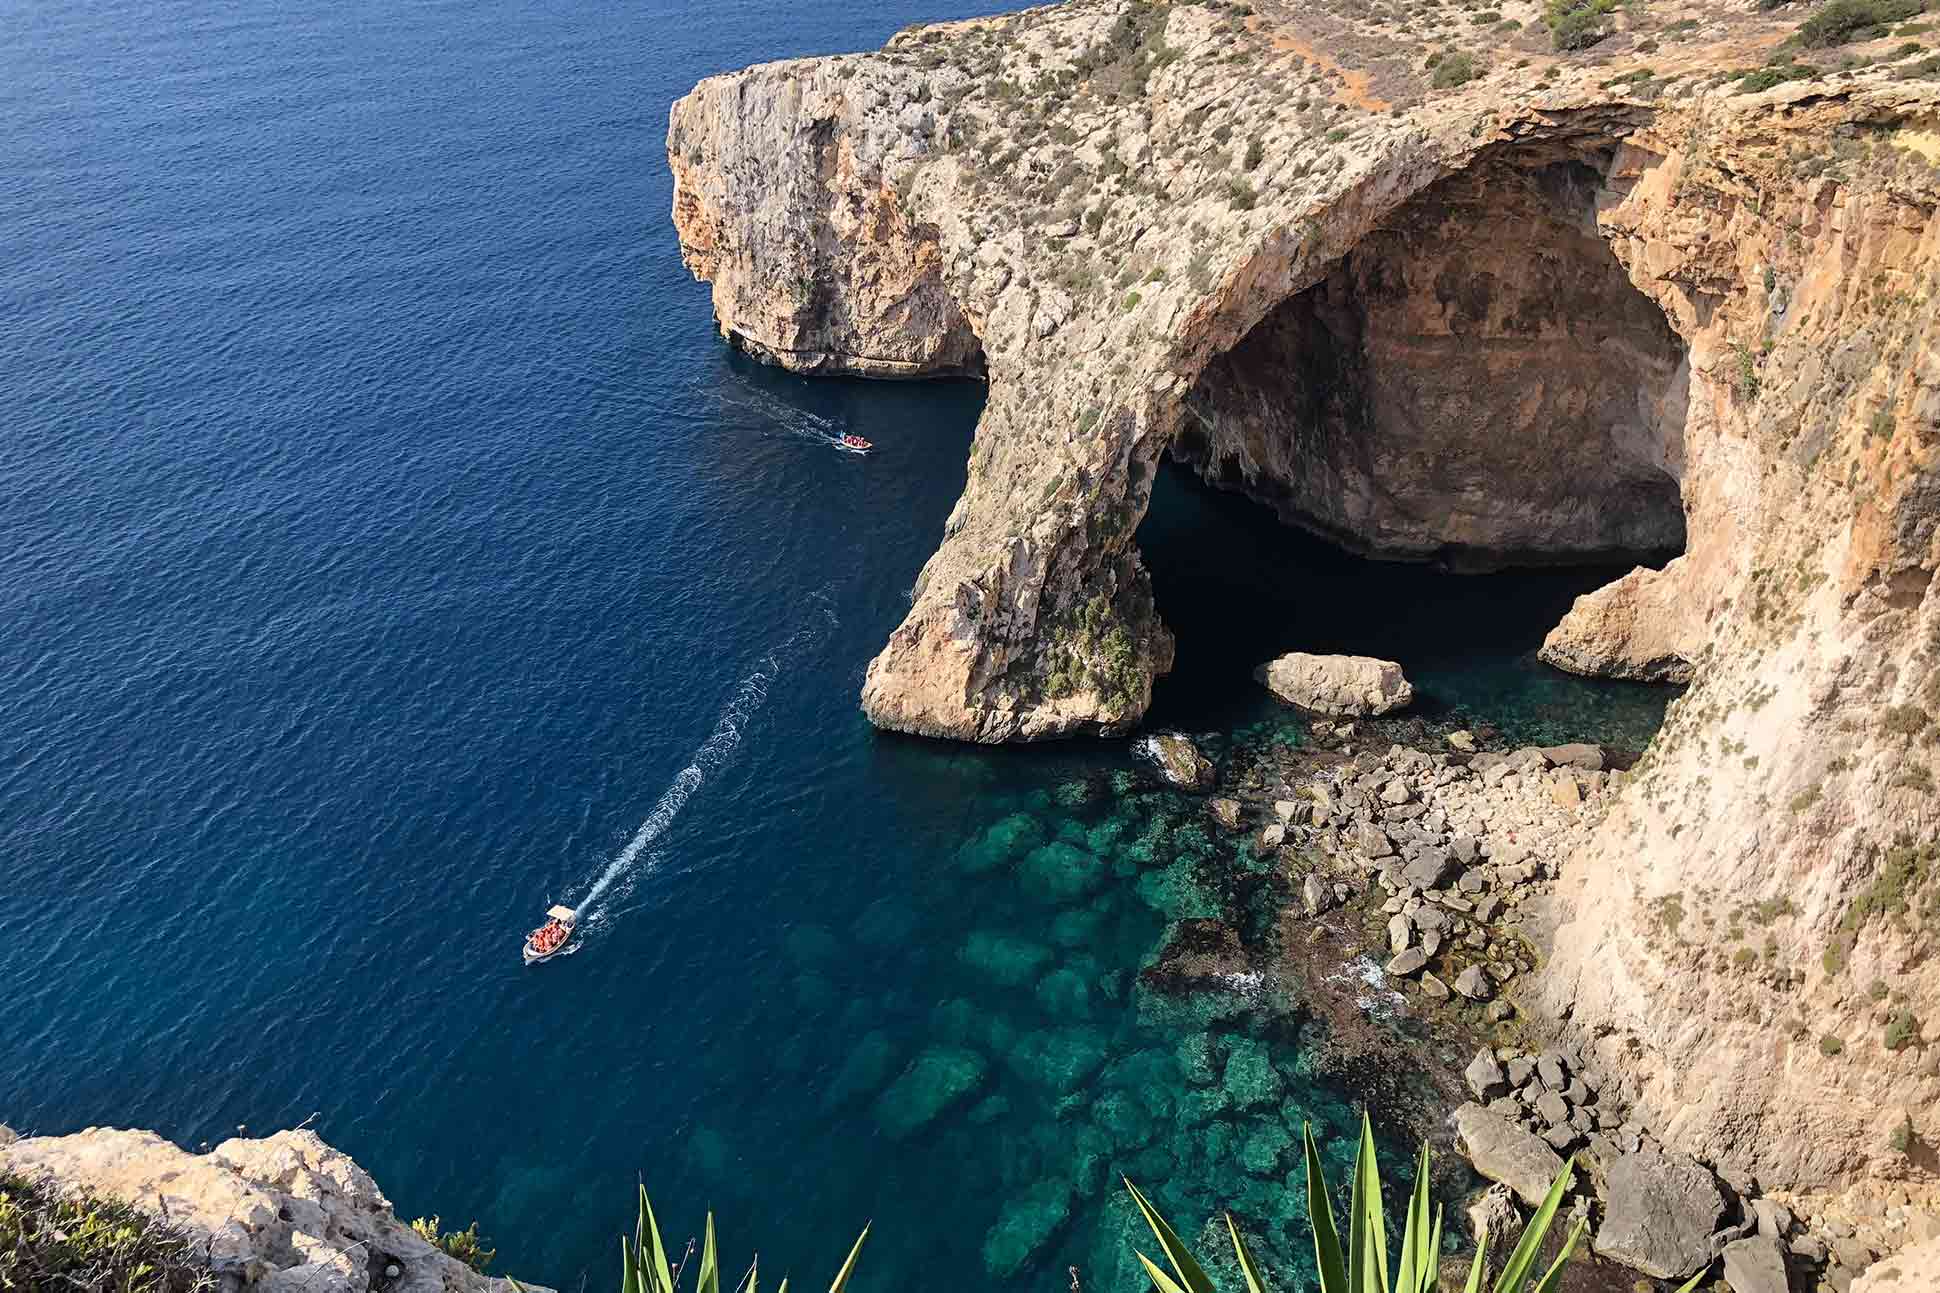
283,1214
1608,303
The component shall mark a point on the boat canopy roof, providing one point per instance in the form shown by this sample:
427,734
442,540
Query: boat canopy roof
566,914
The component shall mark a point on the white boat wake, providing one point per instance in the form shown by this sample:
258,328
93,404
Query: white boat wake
778,417
708,759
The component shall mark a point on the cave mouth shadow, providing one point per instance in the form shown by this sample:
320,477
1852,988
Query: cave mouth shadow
1476,383
1476,386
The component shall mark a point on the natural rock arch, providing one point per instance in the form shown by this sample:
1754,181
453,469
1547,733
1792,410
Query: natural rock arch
1476,382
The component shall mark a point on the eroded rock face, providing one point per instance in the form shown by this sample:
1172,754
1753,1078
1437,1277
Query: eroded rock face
284,1212
1476,382
1117,208
1339,685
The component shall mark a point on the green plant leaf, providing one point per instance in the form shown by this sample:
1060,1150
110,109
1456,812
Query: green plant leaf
1414,1233
1481,1262
1190,1275
1320,1211
1246,1267
709,1279
1160,1280
848,1267
1692,1283
629,1269
659,1276
1515,1271
1554,1275
1367,1223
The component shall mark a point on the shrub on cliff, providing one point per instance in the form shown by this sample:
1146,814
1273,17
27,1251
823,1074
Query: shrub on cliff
1454,69
1577,24
1842,21
466,1245
51,1242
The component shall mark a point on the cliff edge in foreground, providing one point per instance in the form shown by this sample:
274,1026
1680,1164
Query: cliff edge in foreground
282,1214
1439,292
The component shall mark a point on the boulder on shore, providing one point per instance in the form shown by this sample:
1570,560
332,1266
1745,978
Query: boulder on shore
1662,1211
1502,1151
1338,685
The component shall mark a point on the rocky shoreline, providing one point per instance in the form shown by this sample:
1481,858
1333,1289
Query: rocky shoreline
1431,876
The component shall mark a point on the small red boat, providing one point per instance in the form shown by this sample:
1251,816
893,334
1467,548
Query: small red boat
856,444
551,938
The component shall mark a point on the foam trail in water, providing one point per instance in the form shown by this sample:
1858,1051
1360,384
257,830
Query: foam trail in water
714,751
785,419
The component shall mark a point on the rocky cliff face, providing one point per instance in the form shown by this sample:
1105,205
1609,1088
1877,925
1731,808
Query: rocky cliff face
1594,304
283,1214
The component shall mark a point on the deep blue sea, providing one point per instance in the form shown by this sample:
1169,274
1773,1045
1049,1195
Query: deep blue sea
388,545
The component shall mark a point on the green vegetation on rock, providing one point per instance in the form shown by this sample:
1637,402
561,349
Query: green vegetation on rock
51,1242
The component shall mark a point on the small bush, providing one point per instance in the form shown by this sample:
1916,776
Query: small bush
1902,1030
1455,68
1744,381
1131,300
1904,720
1830,1046
466,1245
1804,799
1255,153
50,1242
1577,24
1843,21
1240,195
1900,1141
1764,78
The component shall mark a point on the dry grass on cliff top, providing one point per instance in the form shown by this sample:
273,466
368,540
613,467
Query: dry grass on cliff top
49,1241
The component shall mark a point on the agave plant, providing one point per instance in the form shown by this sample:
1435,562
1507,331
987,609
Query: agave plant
644,1267
1363,1267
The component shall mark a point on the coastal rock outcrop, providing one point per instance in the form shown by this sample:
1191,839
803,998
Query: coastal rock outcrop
1343,686
1606,305
279,1214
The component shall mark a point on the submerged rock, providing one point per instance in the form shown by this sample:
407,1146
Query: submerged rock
1061,872
1338,685
1027,1224
1059,1058
936,1080
863,1070
1198,955
1004,958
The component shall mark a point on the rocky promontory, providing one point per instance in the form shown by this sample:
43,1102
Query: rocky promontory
1439,290
281,1214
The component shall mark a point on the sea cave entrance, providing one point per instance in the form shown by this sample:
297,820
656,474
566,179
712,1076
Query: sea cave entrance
1476,387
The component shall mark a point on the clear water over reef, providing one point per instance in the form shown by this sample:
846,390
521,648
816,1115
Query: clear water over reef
385,532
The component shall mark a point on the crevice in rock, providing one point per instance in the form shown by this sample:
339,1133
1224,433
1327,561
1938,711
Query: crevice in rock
1476,384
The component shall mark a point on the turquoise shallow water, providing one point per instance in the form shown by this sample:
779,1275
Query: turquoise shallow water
385,534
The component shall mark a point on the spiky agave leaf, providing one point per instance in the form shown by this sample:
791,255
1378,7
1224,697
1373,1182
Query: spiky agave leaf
1246,1267
1515,1271
709,1279
848,1266
1367,1226
1191,1276
1320,1212
1418,1256
1481,1262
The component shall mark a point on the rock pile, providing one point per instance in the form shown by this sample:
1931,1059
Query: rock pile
1456,841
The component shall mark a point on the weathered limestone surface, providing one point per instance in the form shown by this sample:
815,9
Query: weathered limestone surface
1115,198
283,1213
1341,685
1912,1270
